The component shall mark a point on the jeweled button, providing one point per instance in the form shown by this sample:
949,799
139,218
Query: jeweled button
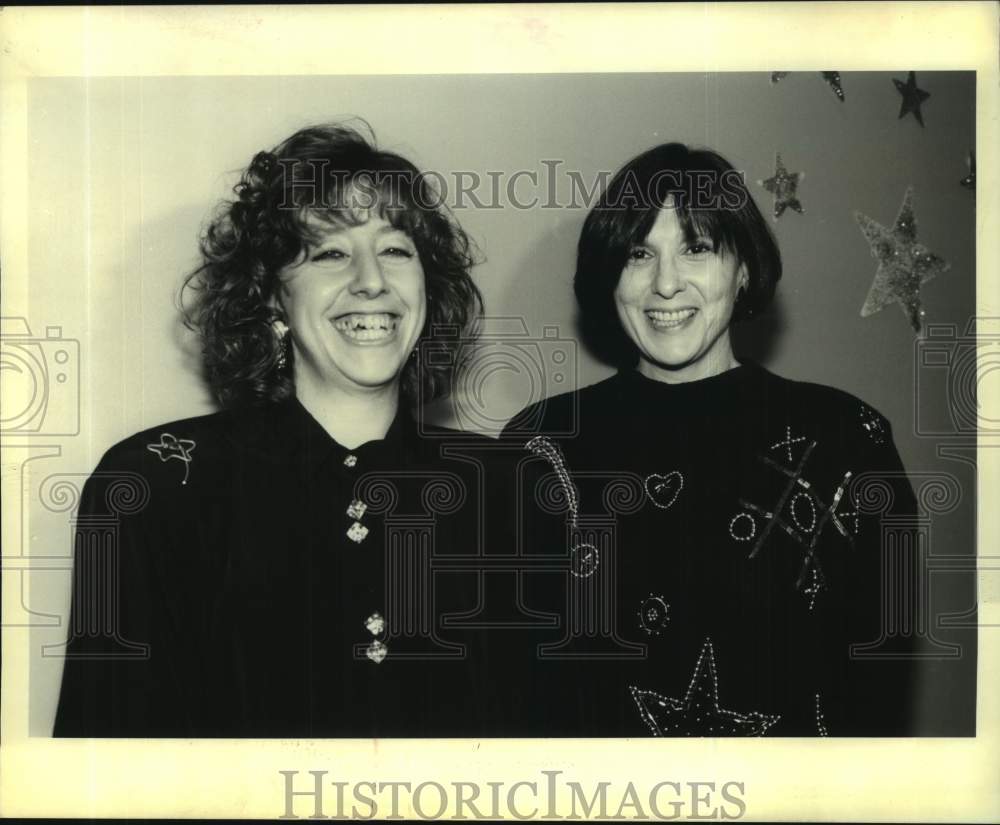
376,651
357,532
357,509
375,624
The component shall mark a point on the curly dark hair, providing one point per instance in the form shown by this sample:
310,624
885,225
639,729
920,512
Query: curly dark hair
710,197
318,173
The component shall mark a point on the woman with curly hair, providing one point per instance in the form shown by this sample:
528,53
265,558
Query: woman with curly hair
272,574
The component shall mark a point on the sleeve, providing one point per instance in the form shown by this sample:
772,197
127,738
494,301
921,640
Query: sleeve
118,677
873,676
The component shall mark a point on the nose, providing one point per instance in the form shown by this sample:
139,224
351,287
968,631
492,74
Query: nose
668,280
369,280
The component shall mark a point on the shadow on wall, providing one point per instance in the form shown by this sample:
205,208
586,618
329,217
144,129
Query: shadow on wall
757,338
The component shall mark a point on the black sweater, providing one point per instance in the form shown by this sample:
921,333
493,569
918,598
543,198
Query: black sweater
726,551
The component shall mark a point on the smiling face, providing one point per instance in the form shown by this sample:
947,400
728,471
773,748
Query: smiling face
675,299
355,306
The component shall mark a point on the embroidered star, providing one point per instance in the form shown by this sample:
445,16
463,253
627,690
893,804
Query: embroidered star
912,97
698,713
903,264
783,185
172,447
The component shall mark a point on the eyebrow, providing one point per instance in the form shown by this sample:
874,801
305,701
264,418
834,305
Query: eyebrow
335,230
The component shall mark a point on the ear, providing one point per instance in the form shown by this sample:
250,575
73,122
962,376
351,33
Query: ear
742,278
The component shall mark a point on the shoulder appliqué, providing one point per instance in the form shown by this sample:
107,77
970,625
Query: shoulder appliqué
170,446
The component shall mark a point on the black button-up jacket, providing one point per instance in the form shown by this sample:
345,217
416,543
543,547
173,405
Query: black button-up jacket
243,574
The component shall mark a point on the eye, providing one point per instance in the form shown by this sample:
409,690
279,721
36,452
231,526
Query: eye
639,253
397,252
329,255
702,246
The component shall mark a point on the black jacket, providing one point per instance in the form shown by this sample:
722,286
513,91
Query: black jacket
242,574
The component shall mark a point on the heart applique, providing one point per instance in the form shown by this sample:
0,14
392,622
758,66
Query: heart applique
664,489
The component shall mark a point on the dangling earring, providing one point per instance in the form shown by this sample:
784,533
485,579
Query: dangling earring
281,331
741,296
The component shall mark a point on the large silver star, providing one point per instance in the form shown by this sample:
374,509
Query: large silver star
903,264
698,713
783,185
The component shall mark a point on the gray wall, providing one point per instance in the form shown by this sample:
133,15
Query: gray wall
124,171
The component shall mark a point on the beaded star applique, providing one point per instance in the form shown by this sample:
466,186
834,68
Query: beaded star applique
698,713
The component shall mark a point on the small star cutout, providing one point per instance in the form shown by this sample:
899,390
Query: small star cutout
172,447
783,185
903,264
698,713
912,97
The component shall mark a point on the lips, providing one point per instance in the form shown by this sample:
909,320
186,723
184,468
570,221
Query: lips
667,319
366,326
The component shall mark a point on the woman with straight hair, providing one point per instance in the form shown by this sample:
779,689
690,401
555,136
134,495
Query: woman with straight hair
725,570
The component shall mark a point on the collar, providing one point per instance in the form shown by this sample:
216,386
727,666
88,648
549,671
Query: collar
286,432
692,397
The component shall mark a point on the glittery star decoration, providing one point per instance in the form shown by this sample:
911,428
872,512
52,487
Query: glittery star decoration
912,97
783,185
903,264
969,181
698,713
172,447
832,79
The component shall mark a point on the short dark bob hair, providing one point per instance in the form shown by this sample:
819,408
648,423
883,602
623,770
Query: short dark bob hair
711,199
321,173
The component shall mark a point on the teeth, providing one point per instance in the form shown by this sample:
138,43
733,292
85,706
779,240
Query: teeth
366,326
661,317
